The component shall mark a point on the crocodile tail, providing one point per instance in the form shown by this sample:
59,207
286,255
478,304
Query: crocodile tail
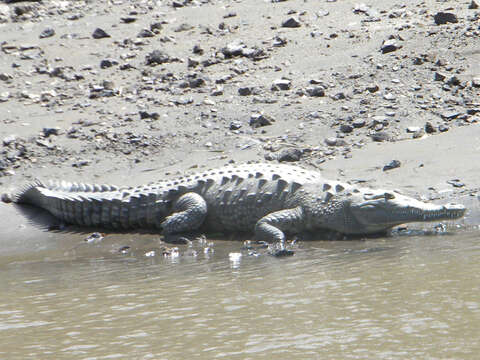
93,205
29,194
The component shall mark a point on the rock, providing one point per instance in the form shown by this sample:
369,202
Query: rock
290,155
235,125
372,88
197,50
358,123
147,115
5,77
476,82
106,63
389,97
450,115
439,76
10,139
315,91
100,34
157,57
50,131
333,141
429,128
281,84
392,165
245,91
443,128
456,183
339,96
291,23
346,128
145,33
258,120
473,5
380,136
442,18
389,45
48,32
183,27
128,19
413,129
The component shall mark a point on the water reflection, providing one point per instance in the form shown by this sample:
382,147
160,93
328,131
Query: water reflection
394,298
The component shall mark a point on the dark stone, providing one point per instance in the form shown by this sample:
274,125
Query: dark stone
429,128
290,155
147,115
346,128
473,5
339,96
380,136
197,50
196,82
157,57
291,23
245,91
128,20
358,123
235,125
145,33
50,131
392,165
48,32
456,183
453,81
106,63
439,76
372,88
281,84
258,120
389,45
100,34
315,91
442,18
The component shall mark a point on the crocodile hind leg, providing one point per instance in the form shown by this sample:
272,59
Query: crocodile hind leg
271,227
189,212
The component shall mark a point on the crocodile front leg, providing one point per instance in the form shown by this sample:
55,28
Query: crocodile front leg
271,227
189,212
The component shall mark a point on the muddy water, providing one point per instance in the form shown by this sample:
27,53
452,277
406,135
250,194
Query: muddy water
400,297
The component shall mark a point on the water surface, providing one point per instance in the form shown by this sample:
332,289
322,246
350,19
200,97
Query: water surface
400,297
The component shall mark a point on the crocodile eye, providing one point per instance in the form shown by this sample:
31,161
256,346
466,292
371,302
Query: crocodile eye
389,196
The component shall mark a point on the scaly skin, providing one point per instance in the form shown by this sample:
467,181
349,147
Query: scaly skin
269,199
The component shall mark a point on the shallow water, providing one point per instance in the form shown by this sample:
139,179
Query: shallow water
399,297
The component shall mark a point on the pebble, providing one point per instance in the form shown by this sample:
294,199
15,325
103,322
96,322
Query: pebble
291,23
392,165
100,34
358,123
429,128
245,91
259,120
390,45
442,18
281,84
48,32
456,183
290,155
346,128
157,57
315,91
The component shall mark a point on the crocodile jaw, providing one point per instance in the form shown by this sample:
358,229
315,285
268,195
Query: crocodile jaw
383,212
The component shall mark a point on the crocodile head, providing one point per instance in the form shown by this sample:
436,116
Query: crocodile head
350,210
380,210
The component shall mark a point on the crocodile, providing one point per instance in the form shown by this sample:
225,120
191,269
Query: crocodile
268,199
